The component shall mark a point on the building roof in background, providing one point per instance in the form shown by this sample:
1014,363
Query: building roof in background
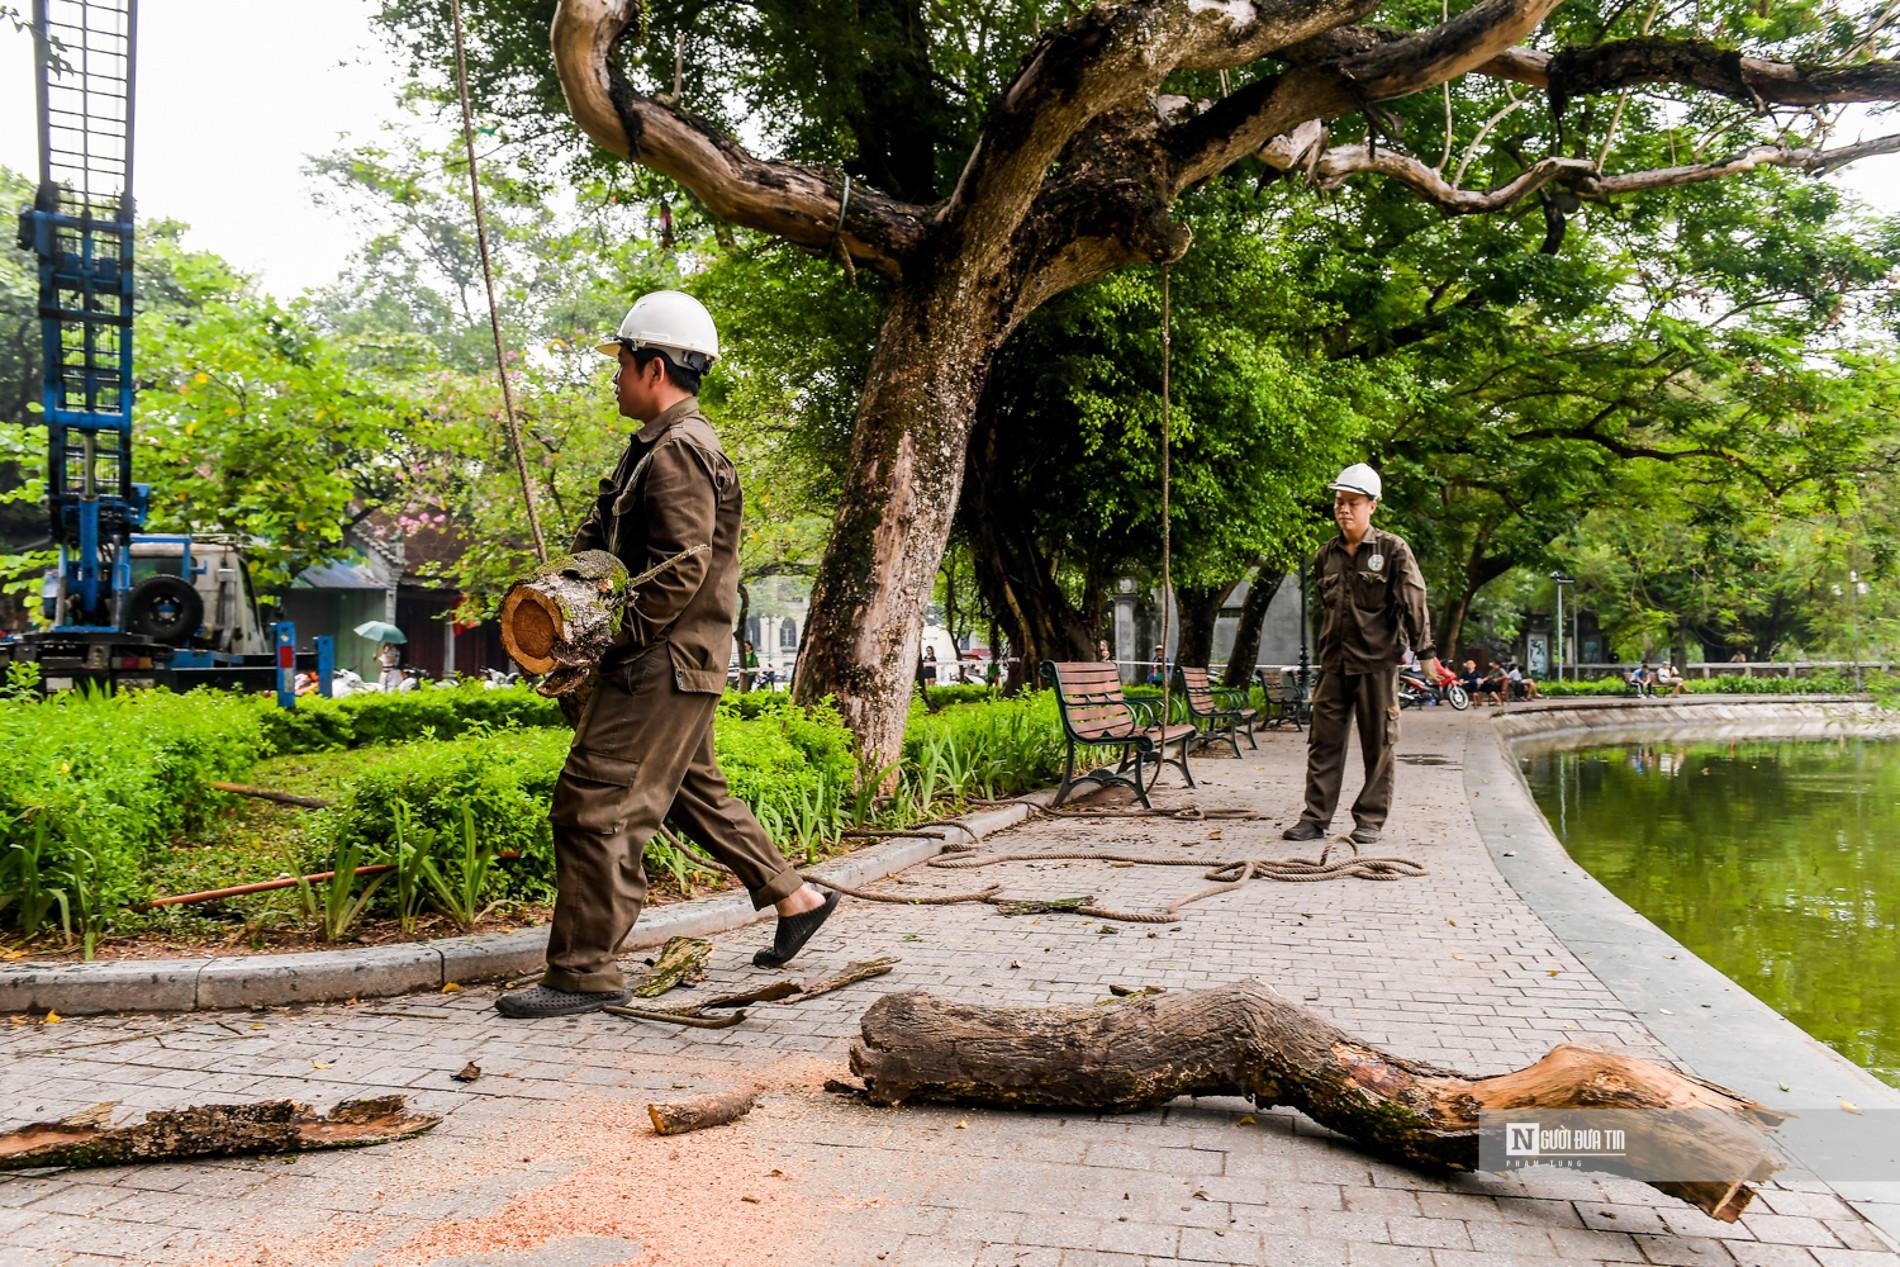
343,574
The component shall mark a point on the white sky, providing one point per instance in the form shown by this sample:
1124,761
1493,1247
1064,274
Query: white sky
233,95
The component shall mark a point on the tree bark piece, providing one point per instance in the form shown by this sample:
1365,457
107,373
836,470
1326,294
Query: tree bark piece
760,994
210,1130
695,1114
691,1017
682,961
1244,1039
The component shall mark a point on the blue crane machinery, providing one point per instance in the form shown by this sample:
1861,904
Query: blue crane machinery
127,607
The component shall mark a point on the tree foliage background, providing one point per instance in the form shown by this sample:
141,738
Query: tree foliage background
1688,399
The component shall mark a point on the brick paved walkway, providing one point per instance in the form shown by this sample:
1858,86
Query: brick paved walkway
547,1158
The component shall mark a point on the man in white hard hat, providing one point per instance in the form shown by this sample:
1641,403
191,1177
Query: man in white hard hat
643,747
1373,598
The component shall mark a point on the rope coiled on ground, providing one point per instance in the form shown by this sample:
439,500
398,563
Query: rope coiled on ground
1227,874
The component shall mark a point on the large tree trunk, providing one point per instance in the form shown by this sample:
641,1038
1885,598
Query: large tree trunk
1246,1040
1199,611
1253,618
908,446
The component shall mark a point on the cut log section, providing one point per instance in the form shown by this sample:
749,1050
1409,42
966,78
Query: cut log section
702,1111
565,615
561,620
210,1130
1246,1040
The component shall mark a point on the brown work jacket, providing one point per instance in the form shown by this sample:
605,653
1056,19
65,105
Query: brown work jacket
1374,603
674,488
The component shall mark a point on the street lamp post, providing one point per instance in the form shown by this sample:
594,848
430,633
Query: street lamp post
1560,580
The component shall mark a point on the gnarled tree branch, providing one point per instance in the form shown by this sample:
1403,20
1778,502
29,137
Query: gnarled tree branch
1334,166
793,201
1577,72
1241,124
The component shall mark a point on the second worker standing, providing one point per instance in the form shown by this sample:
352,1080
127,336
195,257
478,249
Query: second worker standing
1372,596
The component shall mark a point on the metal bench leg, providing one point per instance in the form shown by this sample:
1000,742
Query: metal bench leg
1068,777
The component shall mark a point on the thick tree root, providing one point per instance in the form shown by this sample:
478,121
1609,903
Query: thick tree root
702,1111
209,1130
1246,1040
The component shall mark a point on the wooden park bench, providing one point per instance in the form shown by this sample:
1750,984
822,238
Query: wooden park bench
1214,712
1287,702
1095,714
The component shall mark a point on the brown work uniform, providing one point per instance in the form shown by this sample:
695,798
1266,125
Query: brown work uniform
643,749
1374,604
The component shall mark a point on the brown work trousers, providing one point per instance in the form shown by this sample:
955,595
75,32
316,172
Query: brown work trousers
643,752
1371,700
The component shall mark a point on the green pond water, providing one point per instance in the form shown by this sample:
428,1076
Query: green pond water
1778,862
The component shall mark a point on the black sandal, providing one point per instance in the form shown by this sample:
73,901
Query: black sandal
792,933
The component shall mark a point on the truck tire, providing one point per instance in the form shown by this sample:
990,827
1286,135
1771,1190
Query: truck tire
165,608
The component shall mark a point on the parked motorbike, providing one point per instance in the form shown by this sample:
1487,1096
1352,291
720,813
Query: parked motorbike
1415,691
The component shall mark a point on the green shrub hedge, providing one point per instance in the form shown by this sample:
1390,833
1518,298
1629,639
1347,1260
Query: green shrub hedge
784,761
92,784
432,713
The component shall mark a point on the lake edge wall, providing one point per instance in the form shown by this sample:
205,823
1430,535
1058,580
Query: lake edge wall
1561,723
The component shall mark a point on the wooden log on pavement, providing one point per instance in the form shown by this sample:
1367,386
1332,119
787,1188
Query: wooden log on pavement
699,1112
1246,1040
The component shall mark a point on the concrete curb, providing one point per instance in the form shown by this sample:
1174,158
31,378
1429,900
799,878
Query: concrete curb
182,985
1716,1028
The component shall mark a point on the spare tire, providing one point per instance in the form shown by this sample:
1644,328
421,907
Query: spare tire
166,609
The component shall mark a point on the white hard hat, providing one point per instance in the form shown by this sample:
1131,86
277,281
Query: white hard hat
672,321
1358,478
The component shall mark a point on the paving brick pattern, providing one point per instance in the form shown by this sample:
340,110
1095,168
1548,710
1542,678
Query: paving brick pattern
1452,968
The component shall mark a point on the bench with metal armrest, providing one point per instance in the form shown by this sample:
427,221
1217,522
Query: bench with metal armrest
1095,714
1286,697
1212,715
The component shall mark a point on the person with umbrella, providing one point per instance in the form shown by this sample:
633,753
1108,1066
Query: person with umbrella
388,658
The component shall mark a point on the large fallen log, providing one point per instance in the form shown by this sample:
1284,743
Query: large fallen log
1246,1040
209,1130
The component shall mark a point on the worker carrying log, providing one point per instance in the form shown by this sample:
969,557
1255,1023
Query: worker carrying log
643,746
1373,599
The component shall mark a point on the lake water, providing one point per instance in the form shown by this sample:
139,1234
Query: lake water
1778,862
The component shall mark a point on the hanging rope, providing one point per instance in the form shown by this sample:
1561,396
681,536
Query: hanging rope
1167,543
488,279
